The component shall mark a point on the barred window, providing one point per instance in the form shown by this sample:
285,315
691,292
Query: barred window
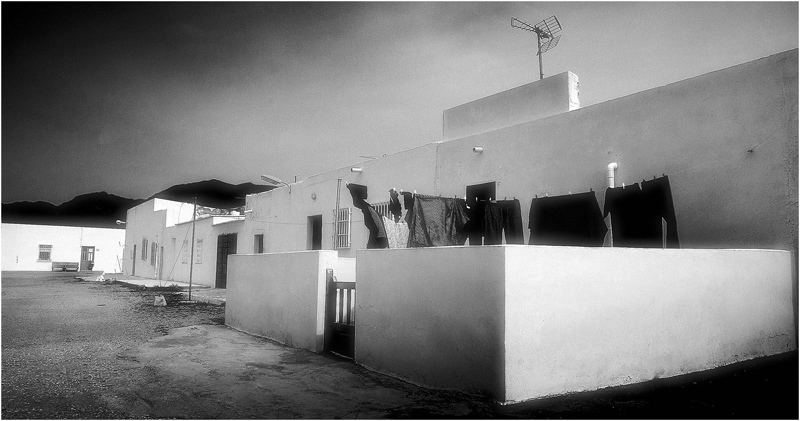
198,258
342,228
382,209
45,250
185,252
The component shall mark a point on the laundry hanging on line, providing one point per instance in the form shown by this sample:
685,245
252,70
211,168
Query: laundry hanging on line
502,216
396,233
657,196
436,221
372,220
636,214
567,220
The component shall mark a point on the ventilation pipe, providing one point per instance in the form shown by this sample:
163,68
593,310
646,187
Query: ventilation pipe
612,167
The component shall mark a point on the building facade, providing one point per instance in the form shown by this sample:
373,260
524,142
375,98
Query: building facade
727,140
36,247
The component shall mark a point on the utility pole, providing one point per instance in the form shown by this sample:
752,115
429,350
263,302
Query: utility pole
191,249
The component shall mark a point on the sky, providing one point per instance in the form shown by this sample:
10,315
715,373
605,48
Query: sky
132,98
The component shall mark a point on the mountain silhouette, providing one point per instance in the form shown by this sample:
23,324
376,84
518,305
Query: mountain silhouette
102,210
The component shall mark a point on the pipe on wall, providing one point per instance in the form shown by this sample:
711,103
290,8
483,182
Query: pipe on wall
612,168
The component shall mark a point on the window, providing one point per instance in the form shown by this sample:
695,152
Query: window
185,252
382,209
44,252
198,258
144,249
258,243
153,253
342,229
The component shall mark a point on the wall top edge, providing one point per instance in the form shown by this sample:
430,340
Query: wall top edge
568,73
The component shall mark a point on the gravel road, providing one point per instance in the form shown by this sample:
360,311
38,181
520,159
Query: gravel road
61,341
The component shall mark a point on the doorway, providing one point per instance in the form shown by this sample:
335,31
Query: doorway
87,257
315,232
226,244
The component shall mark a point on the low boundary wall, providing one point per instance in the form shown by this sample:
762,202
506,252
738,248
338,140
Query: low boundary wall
525,322
280,296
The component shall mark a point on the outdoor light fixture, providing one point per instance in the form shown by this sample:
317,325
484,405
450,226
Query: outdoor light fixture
120,222
355,169
477,149
275,181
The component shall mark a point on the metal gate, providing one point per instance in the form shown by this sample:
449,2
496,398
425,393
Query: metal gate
226,244
340,320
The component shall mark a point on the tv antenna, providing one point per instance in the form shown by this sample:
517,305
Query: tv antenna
546,35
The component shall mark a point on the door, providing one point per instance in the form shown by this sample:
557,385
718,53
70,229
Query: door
87,257
340,317
226,244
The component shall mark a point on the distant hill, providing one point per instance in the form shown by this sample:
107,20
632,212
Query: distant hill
102,210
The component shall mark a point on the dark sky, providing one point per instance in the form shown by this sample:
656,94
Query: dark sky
131,98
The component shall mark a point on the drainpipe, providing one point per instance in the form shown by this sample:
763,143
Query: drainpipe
612,168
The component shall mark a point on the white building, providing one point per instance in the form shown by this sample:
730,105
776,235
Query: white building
732,168
36,247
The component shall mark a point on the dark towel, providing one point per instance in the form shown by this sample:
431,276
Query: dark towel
657,196
568,220
437,221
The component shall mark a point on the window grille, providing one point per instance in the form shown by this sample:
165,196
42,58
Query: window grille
198,258
342,228
153,253
185,252
45,251
382,208
144,249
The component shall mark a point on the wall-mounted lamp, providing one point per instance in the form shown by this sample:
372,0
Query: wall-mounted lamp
275,181
477,149
356,169
120,222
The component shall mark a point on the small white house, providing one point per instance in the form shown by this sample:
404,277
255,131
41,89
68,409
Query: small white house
37,247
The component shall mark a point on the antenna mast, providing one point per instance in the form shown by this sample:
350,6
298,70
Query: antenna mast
546,36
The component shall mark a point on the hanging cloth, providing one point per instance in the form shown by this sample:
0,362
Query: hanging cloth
373,221
499,216
394,205
408,204
629,217
397,233
567,220
657,197
437,221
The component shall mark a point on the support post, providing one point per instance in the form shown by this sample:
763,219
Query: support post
191,249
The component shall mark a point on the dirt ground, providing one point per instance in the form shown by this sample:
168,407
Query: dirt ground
84,350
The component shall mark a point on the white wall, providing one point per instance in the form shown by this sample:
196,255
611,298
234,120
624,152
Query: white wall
543,98
20,246
433,316
280,296
696,131
586,318
523,322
